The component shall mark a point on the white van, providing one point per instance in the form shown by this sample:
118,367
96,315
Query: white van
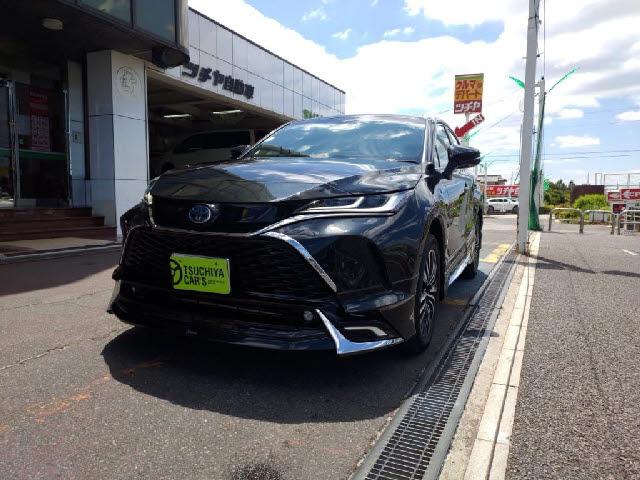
502,204
201,147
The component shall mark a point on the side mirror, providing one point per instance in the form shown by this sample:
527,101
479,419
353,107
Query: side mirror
236,152
461,157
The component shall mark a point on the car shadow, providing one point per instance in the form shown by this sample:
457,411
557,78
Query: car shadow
273,386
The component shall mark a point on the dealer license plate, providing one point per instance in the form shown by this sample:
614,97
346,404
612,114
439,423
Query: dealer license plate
200,274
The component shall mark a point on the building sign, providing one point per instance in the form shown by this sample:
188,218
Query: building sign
503,190
39,113
468,93
613,196
128,81
627,194
463,130
227,82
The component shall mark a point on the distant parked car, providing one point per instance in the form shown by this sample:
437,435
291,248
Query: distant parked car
502,204
210,146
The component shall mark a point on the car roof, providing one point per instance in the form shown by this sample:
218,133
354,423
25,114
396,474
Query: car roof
370,116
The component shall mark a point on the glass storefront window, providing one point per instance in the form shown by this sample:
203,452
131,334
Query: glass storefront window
118,8
157,17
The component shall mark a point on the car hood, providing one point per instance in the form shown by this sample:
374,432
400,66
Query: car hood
275,179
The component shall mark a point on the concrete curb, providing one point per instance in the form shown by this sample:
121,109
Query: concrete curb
58,253
491,446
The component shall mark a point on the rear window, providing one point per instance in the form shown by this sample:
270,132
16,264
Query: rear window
213,140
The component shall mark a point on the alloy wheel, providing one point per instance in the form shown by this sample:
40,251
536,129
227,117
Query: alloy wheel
429,294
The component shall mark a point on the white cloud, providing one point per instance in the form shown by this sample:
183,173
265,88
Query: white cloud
570,113
373,3
575,141
630,116
397,31
315,14
342,35
459,12
606,33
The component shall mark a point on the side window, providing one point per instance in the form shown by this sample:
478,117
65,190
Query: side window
190,144
453,138
442,144
227,139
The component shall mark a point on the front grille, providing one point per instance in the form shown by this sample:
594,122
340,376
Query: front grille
232,217
259,265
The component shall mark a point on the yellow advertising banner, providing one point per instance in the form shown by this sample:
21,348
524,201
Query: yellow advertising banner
468,93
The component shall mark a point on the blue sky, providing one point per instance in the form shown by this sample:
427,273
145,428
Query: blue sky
400,56
367,22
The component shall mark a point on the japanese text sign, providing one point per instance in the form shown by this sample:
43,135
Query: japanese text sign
468,93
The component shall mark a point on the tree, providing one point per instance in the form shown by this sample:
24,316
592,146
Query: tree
557,194
594,201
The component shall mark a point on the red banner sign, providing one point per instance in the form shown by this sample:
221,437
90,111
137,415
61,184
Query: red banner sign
463,130
613,196
630,194
503,190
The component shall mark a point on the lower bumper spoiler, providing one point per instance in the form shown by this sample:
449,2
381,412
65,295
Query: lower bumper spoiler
344,346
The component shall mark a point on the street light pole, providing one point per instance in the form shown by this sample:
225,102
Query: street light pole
527,128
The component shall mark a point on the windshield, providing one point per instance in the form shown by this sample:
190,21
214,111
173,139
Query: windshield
353,137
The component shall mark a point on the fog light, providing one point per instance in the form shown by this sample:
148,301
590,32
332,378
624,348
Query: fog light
307,316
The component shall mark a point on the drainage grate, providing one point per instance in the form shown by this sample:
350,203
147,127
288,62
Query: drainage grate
422,431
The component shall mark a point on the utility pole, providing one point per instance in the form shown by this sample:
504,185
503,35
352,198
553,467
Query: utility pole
534,221
527,128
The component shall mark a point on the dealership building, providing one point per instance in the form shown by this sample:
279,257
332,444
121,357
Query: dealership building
97,97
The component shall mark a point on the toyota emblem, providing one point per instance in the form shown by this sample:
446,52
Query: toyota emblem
201,213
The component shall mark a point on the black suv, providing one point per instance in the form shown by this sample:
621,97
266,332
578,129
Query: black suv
335,233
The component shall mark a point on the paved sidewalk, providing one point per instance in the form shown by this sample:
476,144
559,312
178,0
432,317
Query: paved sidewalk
578,408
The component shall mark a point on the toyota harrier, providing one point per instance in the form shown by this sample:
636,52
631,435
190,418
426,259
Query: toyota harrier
337,233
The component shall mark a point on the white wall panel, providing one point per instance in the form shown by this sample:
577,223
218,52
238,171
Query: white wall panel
288,76
224,46
288,102
194,29
208,31
240,52
278,99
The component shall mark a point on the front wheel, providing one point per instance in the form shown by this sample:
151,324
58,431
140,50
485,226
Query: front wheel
427,294
515,209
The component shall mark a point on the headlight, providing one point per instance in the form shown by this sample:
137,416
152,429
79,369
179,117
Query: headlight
147,197
379,204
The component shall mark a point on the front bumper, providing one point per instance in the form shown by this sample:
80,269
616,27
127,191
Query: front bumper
308,316
273,325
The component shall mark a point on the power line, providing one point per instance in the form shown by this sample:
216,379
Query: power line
574,153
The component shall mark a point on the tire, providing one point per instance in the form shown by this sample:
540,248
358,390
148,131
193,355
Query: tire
490,209
515,210
472,269
426,298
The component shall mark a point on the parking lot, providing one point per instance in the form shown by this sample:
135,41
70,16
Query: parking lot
84,396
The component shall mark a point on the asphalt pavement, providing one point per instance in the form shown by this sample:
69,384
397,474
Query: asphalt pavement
84,396
578,407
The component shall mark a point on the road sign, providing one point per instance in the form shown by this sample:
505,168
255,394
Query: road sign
630,193
468,93
503,190
462,131
613,197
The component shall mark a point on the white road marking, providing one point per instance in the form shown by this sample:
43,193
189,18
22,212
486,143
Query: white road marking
630,252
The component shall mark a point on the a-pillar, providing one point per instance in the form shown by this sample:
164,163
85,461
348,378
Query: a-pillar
118,146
